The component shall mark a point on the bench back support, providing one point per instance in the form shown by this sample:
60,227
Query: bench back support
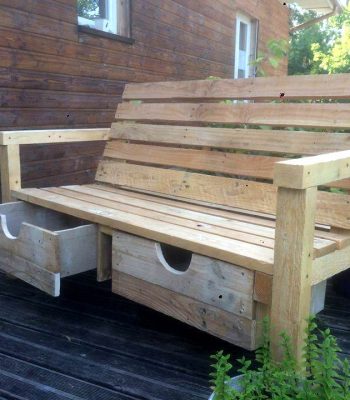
194,141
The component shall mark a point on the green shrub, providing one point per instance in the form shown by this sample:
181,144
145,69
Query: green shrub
324,376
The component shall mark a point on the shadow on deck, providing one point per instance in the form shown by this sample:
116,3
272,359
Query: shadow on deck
91,344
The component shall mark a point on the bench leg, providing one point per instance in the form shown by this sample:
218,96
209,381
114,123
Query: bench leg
104,256
291,288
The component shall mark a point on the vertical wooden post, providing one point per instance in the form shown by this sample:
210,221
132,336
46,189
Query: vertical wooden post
291,289
10,165
104,256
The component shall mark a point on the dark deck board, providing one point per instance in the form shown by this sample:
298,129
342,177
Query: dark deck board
92,344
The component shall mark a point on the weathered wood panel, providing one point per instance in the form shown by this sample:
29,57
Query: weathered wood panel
51,76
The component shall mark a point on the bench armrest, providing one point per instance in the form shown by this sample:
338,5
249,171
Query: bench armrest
53,136
10,141
303,173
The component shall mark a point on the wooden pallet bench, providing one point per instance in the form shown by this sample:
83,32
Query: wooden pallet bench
220,213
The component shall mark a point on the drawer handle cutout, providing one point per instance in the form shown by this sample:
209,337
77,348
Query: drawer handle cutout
174,259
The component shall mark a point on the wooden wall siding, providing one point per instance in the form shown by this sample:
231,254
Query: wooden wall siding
51,76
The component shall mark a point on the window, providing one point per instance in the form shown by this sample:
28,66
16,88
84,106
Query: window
108,16
246,46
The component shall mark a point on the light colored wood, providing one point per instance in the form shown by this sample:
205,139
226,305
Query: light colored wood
273,114
312,171
229,250
227,326
332,209
246,234
292,277
53,136
293,87
271,141
10,165
29,272
47,250
104,257
231,218
226,227
202,160
262,288
210,281
330,265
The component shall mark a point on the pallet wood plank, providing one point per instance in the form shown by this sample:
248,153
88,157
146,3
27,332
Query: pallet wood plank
332,209
340,236
232,328
271,141
292,87
295,115
250,233
245,254
227,286
53,136
202,160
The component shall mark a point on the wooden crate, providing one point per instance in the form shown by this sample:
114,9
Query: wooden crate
40,246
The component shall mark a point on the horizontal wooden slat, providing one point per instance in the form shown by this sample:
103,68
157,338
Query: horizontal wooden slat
242,219
215,161
53,136
274,141
256,166
292,87
234,229
244,254
298,115
333,209
232,328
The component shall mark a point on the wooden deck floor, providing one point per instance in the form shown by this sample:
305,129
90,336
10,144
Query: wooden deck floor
91,344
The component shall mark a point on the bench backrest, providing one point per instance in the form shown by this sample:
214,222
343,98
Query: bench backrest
187,140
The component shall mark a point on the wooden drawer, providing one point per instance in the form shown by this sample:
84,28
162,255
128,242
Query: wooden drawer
40,246
209,294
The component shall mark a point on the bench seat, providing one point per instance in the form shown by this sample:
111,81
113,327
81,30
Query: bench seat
235,236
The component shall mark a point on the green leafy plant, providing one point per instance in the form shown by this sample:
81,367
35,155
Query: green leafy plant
324,375
276,52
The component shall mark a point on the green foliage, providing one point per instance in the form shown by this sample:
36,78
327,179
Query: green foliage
326,377
277,50
87,8
323,47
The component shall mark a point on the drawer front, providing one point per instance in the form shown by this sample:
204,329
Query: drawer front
39,246
209,281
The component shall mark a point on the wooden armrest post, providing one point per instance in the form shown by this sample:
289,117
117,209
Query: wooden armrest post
291,289
10,171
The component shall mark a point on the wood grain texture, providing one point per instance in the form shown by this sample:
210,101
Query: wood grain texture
291,287
232,328
332,209
222,285
230,250
295,115
271,141
270,88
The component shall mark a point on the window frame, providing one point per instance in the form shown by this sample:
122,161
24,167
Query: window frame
251,45
121,11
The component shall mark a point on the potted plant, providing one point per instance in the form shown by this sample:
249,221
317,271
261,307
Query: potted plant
324,375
